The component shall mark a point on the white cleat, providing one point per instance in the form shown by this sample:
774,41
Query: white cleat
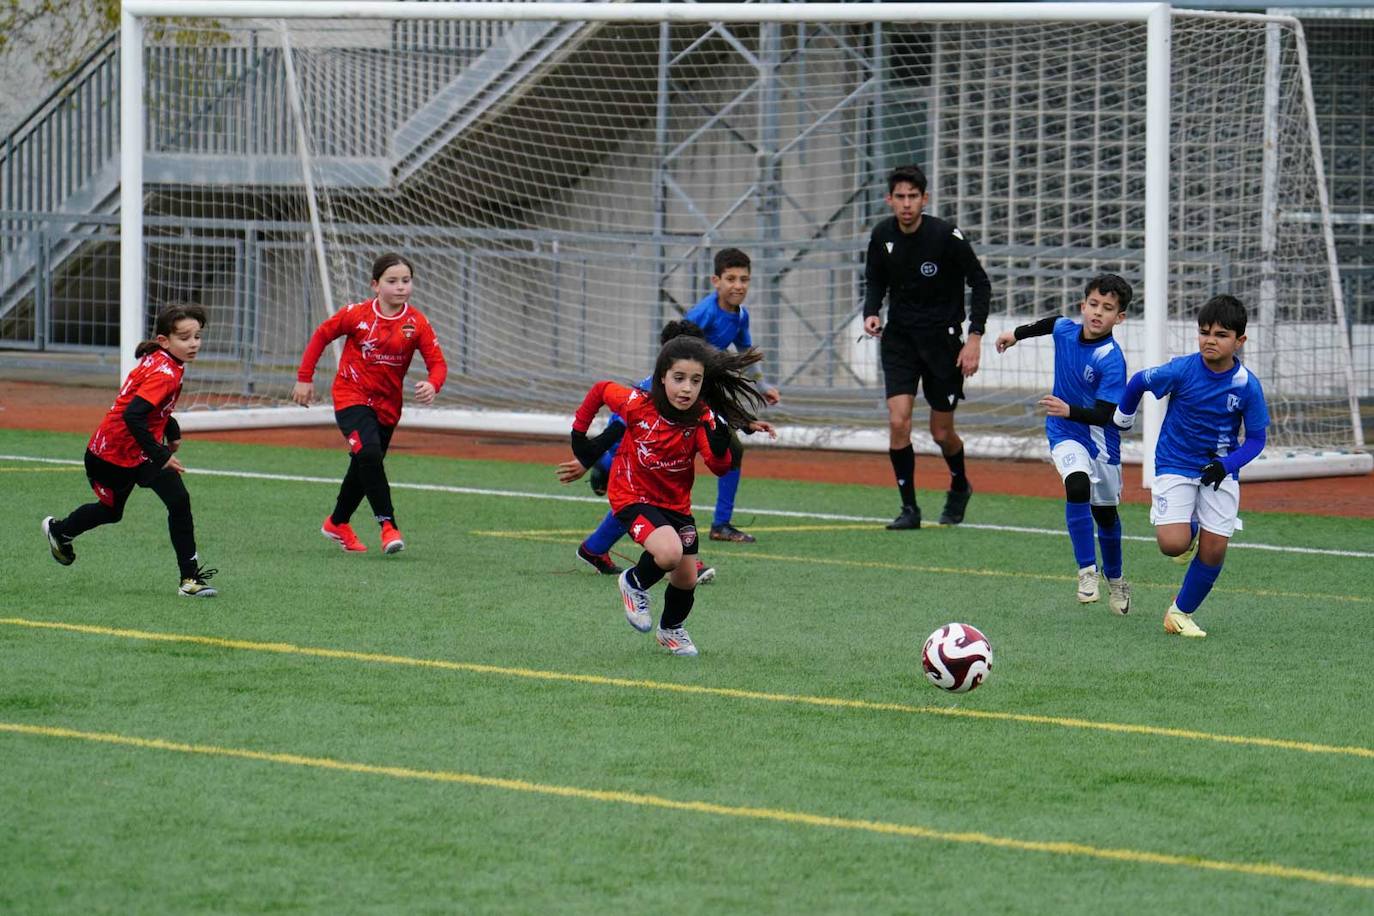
1119,596
636,604
1087,585
676,641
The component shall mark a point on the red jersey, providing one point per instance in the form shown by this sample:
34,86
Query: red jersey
157,380
655,462
375,357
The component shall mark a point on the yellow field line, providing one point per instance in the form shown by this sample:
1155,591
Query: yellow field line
751,554
666,687
777,815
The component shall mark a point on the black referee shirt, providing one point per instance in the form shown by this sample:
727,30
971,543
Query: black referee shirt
923,276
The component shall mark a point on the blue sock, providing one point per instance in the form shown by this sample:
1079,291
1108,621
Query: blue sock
1110,539
606,534
726,488
1197,582
1193,526
1079,519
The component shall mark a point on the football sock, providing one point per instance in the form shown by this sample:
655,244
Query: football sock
1109,536
180,525
372,477
646,572
1197,582
726,487
677,604
958,481
904,468
86,517
1079,519
606,534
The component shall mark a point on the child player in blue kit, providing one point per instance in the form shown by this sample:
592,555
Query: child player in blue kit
1199,453
1089,379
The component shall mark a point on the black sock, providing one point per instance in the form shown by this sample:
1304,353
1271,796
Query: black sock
677,604
957,479
904,469
646,572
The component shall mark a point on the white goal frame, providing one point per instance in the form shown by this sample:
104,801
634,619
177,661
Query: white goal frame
1155,16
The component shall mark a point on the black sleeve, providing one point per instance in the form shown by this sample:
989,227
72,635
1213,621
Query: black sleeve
875,277
586,451
136,418
608,437
1100,414
977,279
1036,328
718,437
173,430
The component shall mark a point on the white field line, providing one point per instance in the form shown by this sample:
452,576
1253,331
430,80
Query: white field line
776,513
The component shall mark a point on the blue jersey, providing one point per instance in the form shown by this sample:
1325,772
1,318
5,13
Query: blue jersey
721,327
1205,412
1086,372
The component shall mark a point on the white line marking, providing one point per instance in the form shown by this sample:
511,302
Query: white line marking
778,513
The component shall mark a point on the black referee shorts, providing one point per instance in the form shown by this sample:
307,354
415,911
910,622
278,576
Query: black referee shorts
928,357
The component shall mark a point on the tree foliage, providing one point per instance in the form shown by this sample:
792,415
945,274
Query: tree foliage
57,34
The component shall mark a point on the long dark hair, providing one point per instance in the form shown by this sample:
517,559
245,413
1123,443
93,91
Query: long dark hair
166,323
725,388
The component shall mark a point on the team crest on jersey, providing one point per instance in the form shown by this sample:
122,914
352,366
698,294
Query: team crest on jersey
929,269
1089,374
1232,402
408,329
688,535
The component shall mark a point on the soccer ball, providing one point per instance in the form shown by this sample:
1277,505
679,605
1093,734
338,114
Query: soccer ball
956,657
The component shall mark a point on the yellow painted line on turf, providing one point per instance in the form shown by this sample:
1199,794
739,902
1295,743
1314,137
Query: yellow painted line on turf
751,554
776,815
282,648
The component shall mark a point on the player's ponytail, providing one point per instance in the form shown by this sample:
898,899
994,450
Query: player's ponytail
729,391
166,323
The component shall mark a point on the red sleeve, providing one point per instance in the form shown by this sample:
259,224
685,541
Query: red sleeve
718,466
156,387
608,393
332,327
433,356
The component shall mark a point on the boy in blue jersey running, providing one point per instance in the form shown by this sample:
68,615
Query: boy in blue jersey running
1085,446
1199,453
724,321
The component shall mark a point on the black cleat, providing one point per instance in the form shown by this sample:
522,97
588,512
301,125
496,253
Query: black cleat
729,532
61,547
601,562
909,520
599,480
956,501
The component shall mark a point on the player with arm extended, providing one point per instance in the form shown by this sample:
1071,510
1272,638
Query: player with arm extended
1199,453
136,445
1085,445
699,393
382,335
921,264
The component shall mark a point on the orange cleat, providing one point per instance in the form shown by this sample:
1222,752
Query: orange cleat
342,535
391,539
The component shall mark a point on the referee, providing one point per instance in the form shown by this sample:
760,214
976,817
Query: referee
921,264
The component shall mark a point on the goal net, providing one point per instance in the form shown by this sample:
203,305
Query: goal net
561,187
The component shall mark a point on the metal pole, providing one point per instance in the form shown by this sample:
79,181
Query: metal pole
131,116
1159,52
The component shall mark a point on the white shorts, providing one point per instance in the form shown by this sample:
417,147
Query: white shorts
1177,499
1071,457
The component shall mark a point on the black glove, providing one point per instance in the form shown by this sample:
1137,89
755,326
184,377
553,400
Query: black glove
718,437
1213,473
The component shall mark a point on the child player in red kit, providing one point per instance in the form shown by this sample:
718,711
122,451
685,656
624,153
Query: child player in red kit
136,445
382,334
698,394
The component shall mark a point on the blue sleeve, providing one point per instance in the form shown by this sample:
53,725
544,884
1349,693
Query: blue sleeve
1158,380
742,340
647,383
1249,449
697,314
1256,411
1130,398
1113,383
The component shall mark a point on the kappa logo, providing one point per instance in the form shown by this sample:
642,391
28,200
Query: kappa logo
165,369
929,269
362,326
888,246
1232,403
642,425
634,532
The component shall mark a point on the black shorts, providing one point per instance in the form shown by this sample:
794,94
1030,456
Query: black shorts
640,520
360,427
930,357
112,483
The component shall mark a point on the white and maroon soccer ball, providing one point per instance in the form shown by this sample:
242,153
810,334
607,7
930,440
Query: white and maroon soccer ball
957,658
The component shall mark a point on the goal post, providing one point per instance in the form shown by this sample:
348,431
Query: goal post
562,172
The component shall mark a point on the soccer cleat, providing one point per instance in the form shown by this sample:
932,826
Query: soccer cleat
909,520
598,479
601,562
1177,623
61,547
636,604
676,641
342,535
705,574
729,532
1087,585
1119,595
391,539
194,586
956,501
